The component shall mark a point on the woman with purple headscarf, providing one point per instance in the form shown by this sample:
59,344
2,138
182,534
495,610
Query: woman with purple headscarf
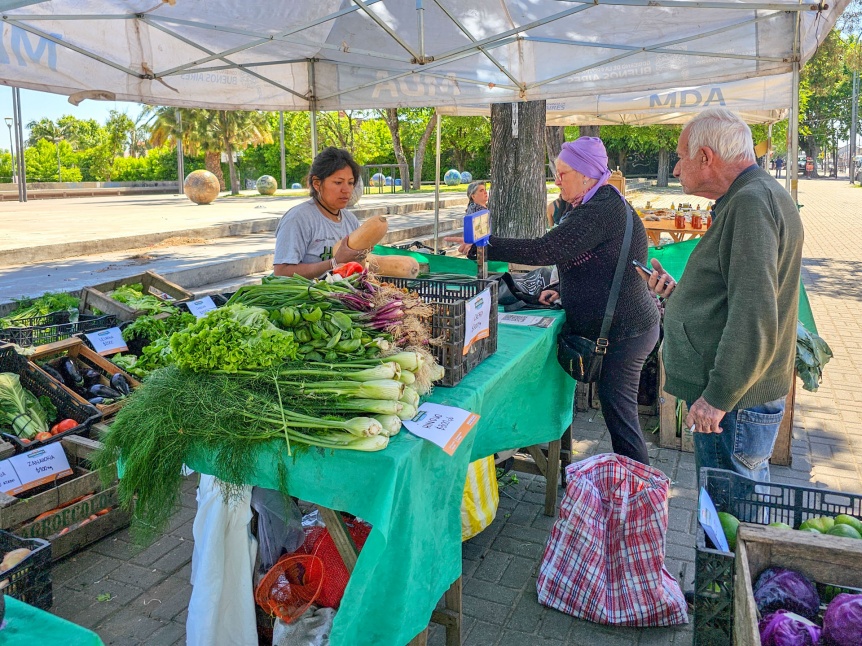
585,247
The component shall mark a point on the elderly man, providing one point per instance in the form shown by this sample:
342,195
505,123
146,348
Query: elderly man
730,323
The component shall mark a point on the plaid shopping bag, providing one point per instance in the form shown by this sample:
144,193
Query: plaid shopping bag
604,560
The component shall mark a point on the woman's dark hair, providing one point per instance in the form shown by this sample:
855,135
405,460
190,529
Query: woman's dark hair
328,161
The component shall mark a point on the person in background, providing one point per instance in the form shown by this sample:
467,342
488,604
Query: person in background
779,164
557,210
477,194
730,322
307,233
585,247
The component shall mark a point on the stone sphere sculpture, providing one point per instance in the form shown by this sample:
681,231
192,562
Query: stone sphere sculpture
378,179
452,177
388,181
466,177
266,185
296,185
397,181
201,186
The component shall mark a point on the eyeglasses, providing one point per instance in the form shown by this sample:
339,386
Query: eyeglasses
558,176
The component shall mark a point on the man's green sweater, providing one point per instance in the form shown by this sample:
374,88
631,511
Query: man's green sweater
730,324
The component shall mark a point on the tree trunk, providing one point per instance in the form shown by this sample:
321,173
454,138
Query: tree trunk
391,115
663,167
518,191
555,137
212,161
419,155
622,159
588,131
234,180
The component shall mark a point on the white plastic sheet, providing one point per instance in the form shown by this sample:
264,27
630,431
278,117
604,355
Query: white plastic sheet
221,609
392,53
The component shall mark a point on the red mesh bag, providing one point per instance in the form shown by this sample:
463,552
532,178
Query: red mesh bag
291,586
319,543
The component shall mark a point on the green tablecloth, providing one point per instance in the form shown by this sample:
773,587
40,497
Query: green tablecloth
29,626
411,492
673,258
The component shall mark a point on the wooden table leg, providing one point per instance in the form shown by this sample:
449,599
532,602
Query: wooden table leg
451,616
340,536
565,453
551,476
419,640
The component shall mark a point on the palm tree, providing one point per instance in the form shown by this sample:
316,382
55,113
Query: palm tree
212,132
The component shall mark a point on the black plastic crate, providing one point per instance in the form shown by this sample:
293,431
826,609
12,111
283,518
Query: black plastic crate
30,580
56,326
38,383
751,502
448,299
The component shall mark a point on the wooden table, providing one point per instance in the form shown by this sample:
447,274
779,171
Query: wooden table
654,229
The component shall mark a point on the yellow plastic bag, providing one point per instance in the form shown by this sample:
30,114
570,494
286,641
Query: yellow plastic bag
481,497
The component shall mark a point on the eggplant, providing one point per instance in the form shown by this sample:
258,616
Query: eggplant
119,383
103,391
96,400
53,373
68,367
91,377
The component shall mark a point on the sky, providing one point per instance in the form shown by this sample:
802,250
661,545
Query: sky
36,105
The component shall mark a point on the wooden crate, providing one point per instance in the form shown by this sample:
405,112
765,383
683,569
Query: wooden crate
84,357
98,296
669,438
18,514
825,559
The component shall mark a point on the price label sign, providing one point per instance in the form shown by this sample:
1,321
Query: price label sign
477,314
34,468
201,306
108,341
445,426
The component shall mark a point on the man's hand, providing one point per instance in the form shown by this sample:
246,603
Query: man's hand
703,418
660,282
549,297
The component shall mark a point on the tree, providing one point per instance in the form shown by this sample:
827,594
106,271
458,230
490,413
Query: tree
390,115
646,140
518,189
419,153
555,137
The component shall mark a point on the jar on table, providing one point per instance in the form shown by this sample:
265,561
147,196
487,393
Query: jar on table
709,220
679,221
696,221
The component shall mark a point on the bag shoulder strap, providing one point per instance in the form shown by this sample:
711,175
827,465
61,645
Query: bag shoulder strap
602,341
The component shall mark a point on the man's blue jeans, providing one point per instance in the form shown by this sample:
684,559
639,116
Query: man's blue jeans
745,443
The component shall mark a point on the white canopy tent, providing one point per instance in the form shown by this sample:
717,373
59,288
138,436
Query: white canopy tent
763,99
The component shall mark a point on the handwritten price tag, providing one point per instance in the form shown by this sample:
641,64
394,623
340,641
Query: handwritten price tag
445,426
477,315
108,341
201,306
34,468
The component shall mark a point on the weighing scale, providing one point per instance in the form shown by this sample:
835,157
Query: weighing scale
477,231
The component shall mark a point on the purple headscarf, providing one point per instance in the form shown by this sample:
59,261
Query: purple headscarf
588,156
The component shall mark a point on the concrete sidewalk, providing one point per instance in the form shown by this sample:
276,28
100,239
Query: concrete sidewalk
150,589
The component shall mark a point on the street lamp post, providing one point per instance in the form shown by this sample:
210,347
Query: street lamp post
57,140
11,147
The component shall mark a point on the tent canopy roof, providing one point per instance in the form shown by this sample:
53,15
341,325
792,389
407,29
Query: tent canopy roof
341,54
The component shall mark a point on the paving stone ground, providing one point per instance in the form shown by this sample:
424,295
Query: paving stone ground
132,597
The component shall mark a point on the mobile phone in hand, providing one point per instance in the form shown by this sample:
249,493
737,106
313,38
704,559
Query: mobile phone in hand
649,270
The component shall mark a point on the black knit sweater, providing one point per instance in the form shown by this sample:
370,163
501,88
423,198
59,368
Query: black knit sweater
585,247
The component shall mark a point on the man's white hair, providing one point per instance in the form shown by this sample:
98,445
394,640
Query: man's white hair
724,132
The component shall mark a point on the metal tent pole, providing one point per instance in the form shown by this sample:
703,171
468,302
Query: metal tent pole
181,162
19,144
281,148
313,106
437,186
792,182
851,151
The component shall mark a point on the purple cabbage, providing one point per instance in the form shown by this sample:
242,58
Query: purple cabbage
781,589
842,622
784,628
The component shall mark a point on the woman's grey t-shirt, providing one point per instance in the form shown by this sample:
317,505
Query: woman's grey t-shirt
305,235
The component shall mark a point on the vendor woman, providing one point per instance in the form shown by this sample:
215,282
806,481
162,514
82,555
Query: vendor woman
307,233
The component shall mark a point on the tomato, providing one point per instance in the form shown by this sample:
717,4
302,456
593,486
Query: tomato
348,269
44,435
64,425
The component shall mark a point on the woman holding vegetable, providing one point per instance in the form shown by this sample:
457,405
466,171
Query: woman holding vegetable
585,247
308,234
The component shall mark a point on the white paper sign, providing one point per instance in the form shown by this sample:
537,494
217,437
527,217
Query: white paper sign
108,341
708,517
527,320
201,306
445,426
36,467
477,316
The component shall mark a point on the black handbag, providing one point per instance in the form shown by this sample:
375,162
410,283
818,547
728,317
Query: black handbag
522,291
579,356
